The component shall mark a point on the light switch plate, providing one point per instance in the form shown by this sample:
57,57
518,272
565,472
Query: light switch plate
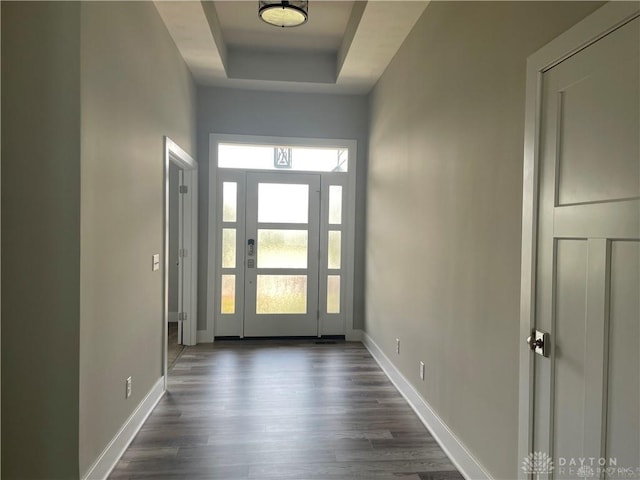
128,383
155,262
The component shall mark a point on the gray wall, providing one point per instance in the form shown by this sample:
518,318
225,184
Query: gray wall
40,239
91,88
135,89
247,112
444,211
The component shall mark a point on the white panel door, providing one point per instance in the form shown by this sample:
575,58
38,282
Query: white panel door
282,250
587,392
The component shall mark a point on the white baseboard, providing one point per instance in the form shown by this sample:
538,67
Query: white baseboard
173,316
464,461
102,467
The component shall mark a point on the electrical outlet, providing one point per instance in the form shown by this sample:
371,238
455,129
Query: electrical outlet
128,394
421,370
398,346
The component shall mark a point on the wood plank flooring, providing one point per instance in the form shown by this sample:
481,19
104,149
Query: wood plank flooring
289,410
173,347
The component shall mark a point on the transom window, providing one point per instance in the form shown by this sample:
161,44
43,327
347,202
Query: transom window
279,157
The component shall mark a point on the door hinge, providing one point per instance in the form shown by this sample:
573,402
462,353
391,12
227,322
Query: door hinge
182,316
183,253
184,189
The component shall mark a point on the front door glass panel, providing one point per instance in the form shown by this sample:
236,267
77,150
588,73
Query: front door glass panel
281,294
283,203
333,294
228,248
334,250
335,204
228,294
278,248
229,201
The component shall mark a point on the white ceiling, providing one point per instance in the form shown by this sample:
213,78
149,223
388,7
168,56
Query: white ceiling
343,48
324,30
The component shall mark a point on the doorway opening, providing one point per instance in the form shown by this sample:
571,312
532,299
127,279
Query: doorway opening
180,252
281,237
175,343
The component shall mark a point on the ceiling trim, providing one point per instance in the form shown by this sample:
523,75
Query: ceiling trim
374,33
192,26
381,30
308,67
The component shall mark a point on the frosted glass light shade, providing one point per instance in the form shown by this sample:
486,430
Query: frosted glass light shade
284,14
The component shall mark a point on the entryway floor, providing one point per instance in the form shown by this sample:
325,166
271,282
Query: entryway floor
282,410
173,347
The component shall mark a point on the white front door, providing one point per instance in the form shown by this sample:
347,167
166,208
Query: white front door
586,401
282,246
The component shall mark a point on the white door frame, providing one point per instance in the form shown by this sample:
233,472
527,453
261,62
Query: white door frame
588,31
207,336
189,241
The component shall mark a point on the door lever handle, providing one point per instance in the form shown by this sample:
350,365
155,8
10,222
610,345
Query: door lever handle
539,343
533,344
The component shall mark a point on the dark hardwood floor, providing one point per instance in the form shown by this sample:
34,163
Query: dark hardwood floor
174,349
282,410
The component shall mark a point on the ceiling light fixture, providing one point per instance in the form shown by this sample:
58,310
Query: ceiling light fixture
284,14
